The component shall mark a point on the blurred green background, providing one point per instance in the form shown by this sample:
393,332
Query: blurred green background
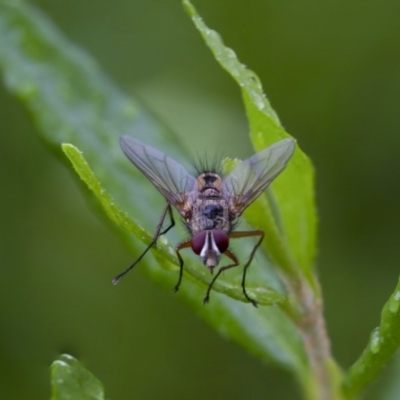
332,72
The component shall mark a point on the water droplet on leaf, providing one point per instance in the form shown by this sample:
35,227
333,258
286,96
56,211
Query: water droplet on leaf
376,341
394,302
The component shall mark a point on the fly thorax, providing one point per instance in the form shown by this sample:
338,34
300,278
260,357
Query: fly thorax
213,211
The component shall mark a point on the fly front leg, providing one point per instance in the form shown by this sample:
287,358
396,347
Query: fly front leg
157,234
242,234
180,247
234,264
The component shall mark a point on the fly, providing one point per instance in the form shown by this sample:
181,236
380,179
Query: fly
209,203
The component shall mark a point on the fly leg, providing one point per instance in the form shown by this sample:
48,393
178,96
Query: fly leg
235,264
157,234
248,234
180,247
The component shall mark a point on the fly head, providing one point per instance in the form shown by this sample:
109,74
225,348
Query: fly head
209,245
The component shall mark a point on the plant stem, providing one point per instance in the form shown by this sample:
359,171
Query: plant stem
323,379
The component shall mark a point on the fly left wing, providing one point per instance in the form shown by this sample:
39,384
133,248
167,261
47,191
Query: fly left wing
252,176
168,176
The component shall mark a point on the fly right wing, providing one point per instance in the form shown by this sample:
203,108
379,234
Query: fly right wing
252,176
168,176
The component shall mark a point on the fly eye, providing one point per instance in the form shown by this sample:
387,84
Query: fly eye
198,241
221,239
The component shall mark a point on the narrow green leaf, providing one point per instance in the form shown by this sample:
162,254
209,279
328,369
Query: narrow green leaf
383,344
71,101
71,381
290,219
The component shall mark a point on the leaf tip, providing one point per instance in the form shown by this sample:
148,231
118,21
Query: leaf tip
68,147
191,11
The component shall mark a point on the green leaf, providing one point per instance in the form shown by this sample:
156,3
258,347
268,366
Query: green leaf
289,218
71,101
383,344
71,381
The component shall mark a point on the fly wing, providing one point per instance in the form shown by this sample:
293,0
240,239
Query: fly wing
168,176
252,176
